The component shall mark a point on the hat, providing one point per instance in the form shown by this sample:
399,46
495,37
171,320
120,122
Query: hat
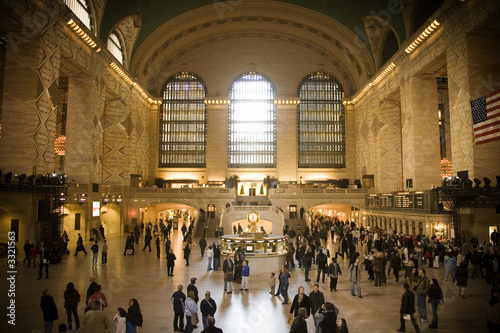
193,280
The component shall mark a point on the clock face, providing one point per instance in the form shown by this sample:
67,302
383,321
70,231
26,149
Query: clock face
252,217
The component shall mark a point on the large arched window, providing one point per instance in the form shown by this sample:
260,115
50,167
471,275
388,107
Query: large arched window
321,122
115,46
81,9
183,122
252,123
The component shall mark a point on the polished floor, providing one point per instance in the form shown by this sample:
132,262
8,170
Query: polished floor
143,276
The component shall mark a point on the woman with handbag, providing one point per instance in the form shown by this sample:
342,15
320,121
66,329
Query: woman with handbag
191,312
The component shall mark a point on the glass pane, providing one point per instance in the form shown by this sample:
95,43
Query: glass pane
321,123
183,122
252,123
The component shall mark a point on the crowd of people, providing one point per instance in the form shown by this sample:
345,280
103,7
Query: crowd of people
376,252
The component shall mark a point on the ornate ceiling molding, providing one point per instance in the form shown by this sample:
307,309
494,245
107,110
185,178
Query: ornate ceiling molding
257,19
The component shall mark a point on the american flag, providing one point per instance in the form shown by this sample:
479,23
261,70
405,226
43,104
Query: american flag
486,118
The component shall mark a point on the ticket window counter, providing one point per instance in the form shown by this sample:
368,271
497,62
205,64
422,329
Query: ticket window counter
261,246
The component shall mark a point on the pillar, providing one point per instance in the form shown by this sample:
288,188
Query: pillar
286,141
217,131
420,132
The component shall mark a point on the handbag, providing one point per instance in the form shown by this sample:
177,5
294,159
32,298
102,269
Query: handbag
194,319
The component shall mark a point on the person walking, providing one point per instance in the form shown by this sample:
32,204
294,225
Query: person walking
300,301
187,251
245,273
79,245
147,241
316,300
44,261
284,284
71,300
321,262
104,253
49,310
95,253
157,244
355,277
422,285
435,298
407,309
178,302
334,271
171,258
307,261
299,324
228,268
207,308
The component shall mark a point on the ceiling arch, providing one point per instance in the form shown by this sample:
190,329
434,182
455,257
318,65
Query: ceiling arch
336,46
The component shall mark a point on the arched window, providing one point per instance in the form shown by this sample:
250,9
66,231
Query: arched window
252,123
115,46
81,9
183,122
321,122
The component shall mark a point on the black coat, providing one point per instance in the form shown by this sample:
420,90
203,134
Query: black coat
299,325
49,308
134,316
171,259
407,303
329,322
304,304
179,301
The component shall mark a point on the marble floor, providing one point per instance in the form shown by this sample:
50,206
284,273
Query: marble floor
143,276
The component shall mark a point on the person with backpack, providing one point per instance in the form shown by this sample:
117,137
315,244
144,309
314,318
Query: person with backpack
435,298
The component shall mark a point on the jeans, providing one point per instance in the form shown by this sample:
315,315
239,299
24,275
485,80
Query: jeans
419,258
284,293
422,307
448,273
319,272
476,269
358,287
189,326
75,314
209,263
47,326
383,277
179,321
434,305
204,320
216,264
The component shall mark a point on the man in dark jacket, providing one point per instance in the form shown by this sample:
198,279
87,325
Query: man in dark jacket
407,308
329,322
211,326
334,272
178,301
49,310
207,308
321,261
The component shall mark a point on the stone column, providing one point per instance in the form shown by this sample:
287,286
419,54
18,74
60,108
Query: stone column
286,141
217,122
420,132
